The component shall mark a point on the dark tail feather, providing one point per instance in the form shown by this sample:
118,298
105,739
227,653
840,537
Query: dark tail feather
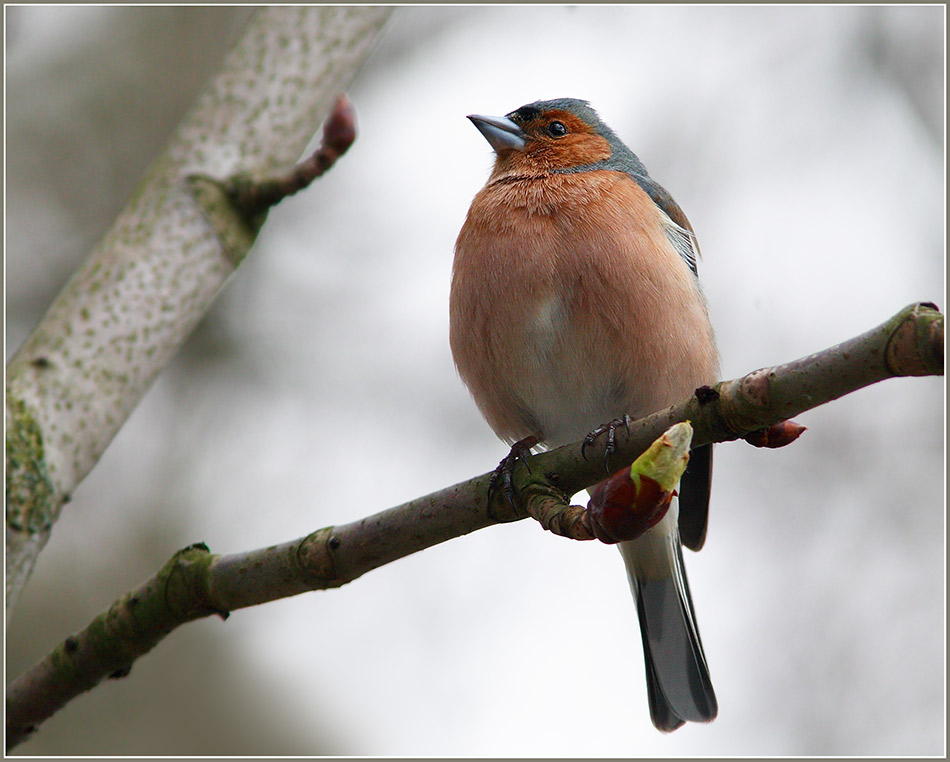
662,714
694,497
678,683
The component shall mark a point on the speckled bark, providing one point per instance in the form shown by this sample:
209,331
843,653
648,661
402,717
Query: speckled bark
124,314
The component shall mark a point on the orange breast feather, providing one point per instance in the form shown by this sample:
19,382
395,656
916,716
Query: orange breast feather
570,307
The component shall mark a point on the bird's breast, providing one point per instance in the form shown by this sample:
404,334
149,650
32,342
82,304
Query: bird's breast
570,307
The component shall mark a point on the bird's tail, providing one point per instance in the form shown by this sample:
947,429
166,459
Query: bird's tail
678,684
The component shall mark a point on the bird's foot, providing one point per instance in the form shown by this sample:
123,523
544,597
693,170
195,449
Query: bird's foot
501,478
610,430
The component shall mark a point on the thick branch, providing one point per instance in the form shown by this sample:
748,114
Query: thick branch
141,292
195,583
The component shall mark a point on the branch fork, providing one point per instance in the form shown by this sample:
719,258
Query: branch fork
237,207
253,197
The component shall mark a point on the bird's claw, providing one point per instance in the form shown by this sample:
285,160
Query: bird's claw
609,429
502,474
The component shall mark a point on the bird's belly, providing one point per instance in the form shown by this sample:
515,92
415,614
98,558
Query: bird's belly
568,384
578,369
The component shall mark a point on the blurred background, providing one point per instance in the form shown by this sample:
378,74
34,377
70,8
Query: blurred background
806,145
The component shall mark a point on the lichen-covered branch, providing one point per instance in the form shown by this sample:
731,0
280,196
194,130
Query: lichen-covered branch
196,583
125,312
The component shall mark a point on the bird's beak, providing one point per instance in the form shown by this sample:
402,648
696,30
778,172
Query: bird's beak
501,133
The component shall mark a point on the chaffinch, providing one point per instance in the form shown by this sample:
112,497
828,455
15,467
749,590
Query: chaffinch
574,301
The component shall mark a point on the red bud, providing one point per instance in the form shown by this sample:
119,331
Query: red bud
622,510
779,435
339,132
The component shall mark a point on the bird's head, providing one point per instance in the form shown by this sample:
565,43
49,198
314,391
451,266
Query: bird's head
552,135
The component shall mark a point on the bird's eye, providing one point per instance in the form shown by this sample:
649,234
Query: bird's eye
557,129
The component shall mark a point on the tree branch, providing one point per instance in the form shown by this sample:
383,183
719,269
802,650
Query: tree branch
908,344
141,292
195,583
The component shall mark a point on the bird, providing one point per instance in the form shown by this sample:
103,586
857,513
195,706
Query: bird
575,301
